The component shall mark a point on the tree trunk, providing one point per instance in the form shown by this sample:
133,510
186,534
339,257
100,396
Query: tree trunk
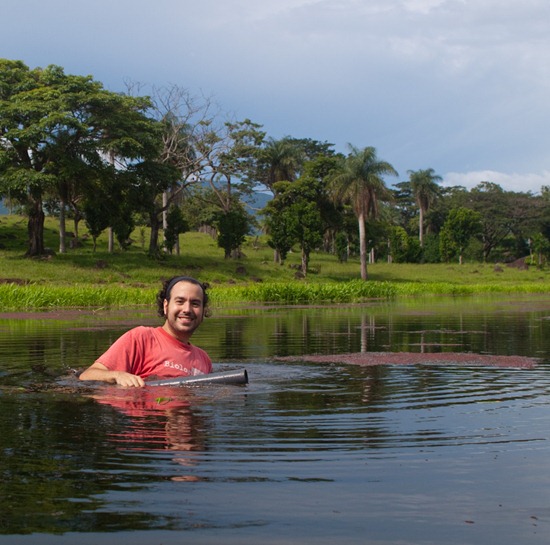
164,216
76,222
155,230
110,233
62,229
363,246
421,228
305,262
35,228
111,240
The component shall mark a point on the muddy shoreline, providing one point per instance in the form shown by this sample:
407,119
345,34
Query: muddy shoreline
370,359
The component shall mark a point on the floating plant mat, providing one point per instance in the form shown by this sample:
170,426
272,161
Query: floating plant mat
415,358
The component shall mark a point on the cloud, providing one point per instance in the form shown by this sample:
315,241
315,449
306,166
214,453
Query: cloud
509,182
460,86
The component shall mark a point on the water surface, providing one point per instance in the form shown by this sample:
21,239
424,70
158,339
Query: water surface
306,453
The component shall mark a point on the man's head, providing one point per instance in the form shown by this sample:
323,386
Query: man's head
168,285
183,302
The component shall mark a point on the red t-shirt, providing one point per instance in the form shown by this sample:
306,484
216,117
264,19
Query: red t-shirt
151,351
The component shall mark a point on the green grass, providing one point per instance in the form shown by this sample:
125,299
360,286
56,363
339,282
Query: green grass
81,278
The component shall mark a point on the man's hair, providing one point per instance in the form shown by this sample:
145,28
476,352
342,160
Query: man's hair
167,285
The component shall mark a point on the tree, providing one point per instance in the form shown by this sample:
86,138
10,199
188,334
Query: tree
545,213
461,225
176,224
301,211
404,209
226,176
280,226
540,246
96,220
204,149
150,180
229,162
402,248
425,191
494,205
293,216
359,182
56,131
233,226
111,200
185,122
528,216
280,160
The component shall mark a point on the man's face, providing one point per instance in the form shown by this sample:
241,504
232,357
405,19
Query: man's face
184,311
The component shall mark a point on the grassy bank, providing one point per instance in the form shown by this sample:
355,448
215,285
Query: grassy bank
82,278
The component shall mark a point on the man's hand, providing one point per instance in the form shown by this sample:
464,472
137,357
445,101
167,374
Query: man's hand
98,371
128,380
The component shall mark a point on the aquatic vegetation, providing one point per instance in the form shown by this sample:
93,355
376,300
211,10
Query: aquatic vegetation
300,293
40,296
357,291
34,296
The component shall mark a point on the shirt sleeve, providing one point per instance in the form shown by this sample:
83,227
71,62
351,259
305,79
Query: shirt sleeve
125,353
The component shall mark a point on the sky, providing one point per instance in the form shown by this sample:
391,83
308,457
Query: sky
459,86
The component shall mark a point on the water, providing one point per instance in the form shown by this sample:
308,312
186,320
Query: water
306,453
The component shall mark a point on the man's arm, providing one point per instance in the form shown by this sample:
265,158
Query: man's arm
98,371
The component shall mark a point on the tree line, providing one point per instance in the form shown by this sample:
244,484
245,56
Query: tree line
172,161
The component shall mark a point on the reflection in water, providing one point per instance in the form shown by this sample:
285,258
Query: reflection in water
307,452
159,419
515,326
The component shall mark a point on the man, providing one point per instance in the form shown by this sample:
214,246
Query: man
159,351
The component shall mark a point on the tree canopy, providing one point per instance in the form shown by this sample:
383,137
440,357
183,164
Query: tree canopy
359,181
172,161
58,132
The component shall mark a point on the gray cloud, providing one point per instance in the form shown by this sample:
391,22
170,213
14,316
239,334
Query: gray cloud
460,86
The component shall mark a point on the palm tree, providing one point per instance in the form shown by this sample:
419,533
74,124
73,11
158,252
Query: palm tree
360,183
280,160
425,191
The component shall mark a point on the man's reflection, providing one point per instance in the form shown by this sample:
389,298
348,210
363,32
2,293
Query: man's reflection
160,418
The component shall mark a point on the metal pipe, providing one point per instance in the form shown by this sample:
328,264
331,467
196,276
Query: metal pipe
238,376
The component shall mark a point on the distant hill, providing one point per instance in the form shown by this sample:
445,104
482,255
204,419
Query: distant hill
257,201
